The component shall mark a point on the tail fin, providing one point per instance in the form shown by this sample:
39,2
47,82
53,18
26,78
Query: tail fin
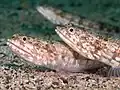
114,72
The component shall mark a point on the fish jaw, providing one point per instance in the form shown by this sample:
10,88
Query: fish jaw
18,49
28,49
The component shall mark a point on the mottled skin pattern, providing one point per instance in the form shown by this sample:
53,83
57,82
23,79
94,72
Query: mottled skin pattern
91,46
55,56
59,17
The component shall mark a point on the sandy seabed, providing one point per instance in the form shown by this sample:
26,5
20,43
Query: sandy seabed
26,78
37,80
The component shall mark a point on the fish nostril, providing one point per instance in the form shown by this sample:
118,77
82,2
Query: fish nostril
13,36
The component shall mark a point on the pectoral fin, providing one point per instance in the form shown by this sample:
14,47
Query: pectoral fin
114,72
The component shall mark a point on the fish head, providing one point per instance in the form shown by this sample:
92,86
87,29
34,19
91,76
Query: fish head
25,47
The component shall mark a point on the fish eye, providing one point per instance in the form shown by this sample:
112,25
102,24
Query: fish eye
71,30
24,38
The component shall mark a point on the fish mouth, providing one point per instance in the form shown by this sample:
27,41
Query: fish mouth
16,49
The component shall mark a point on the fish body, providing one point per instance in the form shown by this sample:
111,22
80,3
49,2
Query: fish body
90,46
55,56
